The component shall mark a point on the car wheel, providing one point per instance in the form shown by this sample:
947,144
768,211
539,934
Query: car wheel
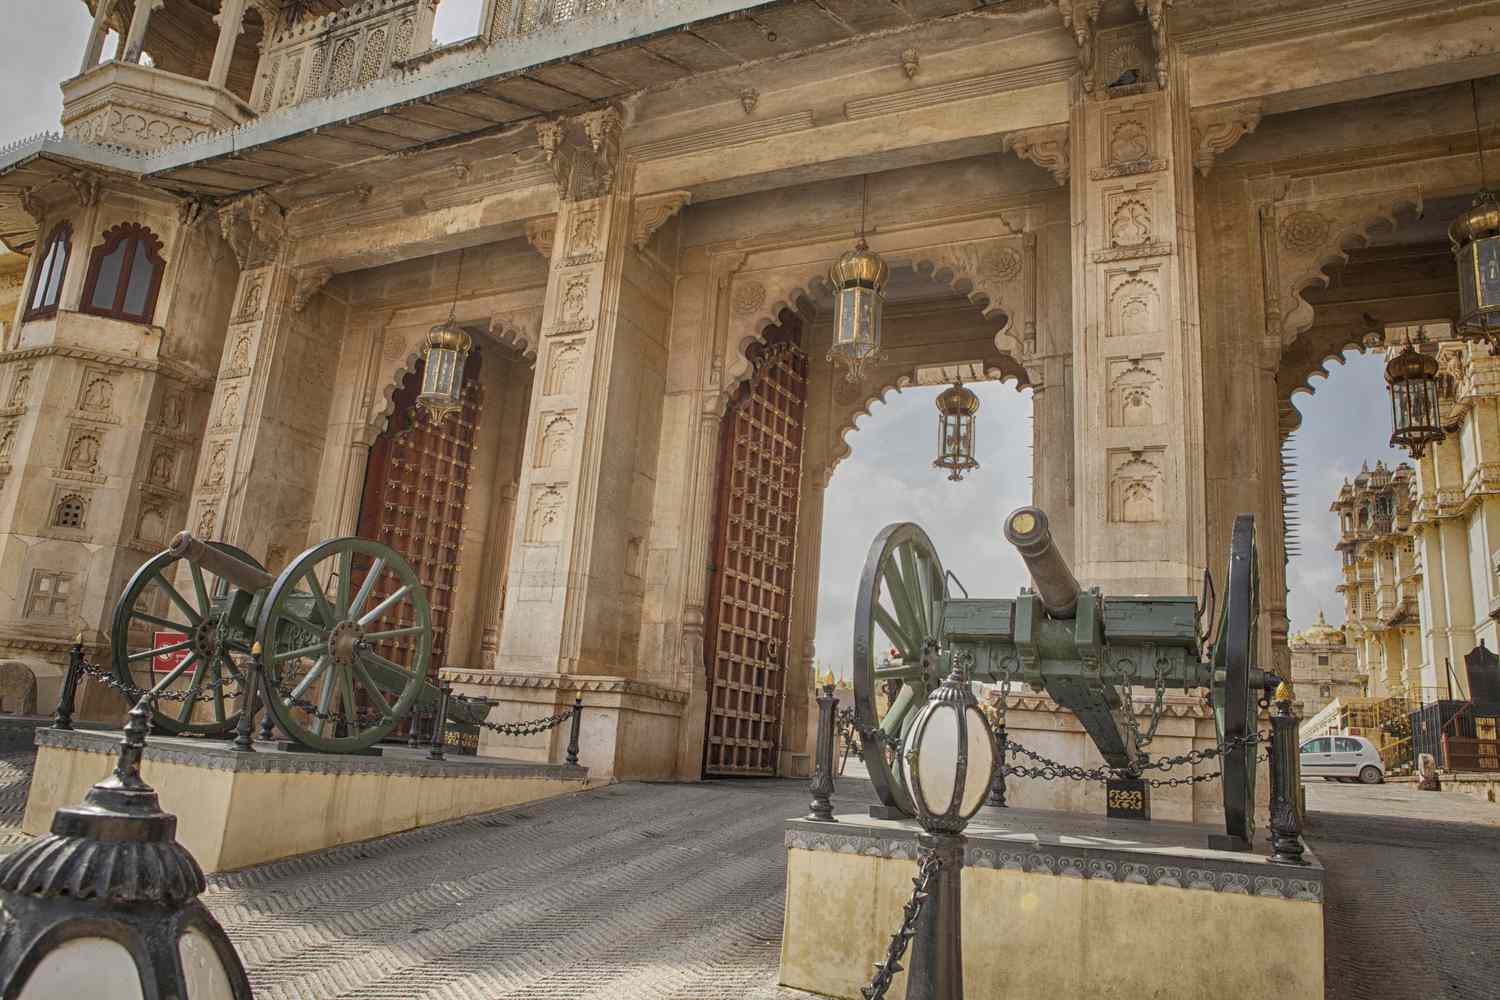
1370,775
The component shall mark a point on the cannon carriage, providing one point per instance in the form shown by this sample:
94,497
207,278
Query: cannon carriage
339,641
1086,650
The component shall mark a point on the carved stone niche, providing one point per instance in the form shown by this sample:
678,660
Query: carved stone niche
1135,392
1135,485
555,440
1135,306
563,362
1129,140
544,515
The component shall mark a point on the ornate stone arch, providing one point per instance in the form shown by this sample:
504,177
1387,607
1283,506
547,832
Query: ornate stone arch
997,273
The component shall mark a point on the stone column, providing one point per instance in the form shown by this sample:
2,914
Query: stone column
1459,589
231,22
1140,517
100,30
135,38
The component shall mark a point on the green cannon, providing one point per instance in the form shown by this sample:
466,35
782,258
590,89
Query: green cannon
342,638
1087,651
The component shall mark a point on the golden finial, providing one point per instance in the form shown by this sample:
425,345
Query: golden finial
1283,692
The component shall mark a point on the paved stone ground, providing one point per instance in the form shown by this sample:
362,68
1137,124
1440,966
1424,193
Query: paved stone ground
1413,907
674,892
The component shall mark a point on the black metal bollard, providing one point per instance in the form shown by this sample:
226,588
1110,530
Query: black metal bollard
1286,818
267,725
575,726
822,777
414,731
997,786
440,724
936,971
243,741
63,717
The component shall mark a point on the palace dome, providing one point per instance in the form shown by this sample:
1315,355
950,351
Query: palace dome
1319,633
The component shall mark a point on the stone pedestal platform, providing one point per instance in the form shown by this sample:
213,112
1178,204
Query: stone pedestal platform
238,809
1060,905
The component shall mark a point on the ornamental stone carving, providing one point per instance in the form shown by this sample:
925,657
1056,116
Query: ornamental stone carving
1305,231
1216,130
748,297
1047,147
652,212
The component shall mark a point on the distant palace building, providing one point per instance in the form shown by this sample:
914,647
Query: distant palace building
1325,667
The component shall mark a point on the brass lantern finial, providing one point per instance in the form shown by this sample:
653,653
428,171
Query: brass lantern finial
1412,379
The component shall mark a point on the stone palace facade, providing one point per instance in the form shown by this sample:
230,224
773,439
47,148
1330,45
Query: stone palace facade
1158,217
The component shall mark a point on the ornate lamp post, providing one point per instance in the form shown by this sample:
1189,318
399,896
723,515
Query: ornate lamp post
950,763
956,409
107,905
444,355
1412,378
859,279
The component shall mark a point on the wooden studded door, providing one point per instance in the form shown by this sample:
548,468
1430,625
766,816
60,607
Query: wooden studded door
416,486
750,595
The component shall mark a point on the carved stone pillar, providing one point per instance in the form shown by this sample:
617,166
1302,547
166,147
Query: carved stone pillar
1140,513
136,36
231,22
104,10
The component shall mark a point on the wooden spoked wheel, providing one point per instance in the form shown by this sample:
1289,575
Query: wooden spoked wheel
899,608
183,636
345,638
1235,704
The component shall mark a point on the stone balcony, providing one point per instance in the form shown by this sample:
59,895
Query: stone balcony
144,108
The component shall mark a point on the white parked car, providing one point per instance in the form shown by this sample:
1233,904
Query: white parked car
1342,758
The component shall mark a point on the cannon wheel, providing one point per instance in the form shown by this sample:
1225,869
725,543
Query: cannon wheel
210,659
901,592
320,632
1235,708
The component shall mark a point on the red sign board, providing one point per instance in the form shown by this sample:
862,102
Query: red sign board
165,663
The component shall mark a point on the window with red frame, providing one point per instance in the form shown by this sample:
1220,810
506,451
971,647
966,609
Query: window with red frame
125,274
47,284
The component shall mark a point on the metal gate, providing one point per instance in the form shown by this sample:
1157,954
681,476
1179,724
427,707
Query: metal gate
416,485
760,474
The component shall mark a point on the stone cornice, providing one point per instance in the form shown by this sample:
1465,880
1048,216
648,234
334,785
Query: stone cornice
1147,866
1340,14
170,369
220,758
580,684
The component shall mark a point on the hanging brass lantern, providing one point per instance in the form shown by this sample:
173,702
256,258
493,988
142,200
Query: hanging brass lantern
1412,378
444,356
859,279
956,409
1476,246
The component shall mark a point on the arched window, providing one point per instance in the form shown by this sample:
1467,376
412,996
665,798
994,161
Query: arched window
125,274
47,284
69,513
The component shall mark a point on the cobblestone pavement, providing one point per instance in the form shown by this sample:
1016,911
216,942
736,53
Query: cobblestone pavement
674,892
1413,908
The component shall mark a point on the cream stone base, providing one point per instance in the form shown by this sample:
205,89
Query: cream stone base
629,730
237,809
1058,905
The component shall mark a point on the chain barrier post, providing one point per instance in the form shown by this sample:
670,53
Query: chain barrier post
66,698
1286,819
267,724
243,739
572,757
997,787
821,809
440,724
414,731
937,959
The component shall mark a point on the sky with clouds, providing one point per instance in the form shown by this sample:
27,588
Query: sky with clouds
889,477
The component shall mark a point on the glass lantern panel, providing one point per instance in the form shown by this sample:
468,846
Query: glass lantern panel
85,967
204,973
937,758
981,763
1468,280
1488,251
848,307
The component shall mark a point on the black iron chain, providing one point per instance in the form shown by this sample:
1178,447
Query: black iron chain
134,694
528,728
885,971
1051,770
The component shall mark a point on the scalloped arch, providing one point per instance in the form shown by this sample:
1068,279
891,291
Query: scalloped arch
516,337
896,383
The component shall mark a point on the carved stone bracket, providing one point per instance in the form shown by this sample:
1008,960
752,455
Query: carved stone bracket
307,282
652,212
1217,129
541,233
1079,17
1046,146
254,228
582,152
85,185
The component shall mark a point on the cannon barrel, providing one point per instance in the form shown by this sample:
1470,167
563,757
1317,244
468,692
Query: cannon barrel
220,563
1027,529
